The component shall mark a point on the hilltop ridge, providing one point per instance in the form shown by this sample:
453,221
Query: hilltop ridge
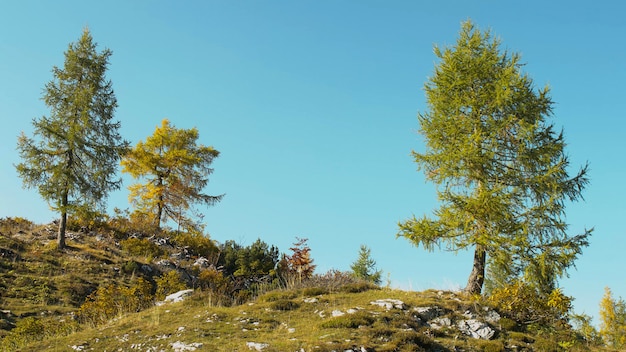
99,294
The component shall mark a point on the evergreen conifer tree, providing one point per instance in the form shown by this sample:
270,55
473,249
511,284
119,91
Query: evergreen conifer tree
74,154
499,165
365,267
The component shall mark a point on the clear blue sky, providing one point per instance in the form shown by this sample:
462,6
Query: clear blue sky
313,106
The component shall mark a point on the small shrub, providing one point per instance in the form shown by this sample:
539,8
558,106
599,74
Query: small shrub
274,296
87,219
197,244
168,283
130,267
212,280
32,329
415,340
489,346
215,284
124,223
527,305
110,301
27,329
520,336
546,345
332,280
299,264
382,333
358,287
284,305
349,321
75,290
508,324
314,291
141,248
364,267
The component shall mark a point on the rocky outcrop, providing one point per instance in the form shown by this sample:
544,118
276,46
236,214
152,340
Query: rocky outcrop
389,303
182,347
476,329
256,346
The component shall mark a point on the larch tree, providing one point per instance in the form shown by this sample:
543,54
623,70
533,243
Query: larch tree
499,166
613,320
73,157
175,170
300,263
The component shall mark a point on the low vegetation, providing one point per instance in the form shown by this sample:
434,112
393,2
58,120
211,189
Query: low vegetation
100,294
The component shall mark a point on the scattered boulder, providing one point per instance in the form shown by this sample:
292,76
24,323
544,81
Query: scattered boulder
176,297
389,303
337,313
165,263
492,317
146,269
202,262
476,329
257,346
181,346
9,254
429,313
440,322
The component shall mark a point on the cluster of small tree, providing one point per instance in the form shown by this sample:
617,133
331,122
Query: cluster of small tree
73,157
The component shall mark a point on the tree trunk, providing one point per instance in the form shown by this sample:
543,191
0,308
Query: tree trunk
62,226
65,202
477,276
157,221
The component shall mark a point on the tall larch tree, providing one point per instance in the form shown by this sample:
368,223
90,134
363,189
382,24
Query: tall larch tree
74,154
174,169
499,166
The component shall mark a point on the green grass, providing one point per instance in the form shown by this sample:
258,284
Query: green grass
37,280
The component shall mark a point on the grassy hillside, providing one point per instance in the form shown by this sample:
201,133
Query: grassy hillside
42,290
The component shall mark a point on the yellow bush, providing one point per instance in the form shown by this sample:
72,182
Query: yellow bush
197,244
110,301
527,305
169,283
141,248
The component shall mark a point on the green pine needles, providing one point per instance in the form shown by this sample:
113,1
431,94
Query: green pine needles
364,267
499,166
73,158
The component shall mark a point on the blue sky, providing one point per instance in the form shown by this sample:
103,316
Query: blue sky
313,107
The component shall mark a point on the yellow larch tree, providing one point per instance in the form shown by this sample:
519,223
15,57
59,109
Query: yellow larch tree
174,169
613,320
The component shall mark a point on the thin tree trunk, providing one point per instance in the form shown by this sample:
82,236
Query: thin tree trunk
62,223
65,201
477,276
159,214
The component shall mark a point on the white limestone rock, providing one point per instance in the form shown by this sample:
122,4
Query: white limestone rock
476,329
257,346
389,303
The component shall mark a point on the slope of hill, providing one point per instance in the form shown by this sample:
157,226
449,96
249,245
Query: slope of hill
41,290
